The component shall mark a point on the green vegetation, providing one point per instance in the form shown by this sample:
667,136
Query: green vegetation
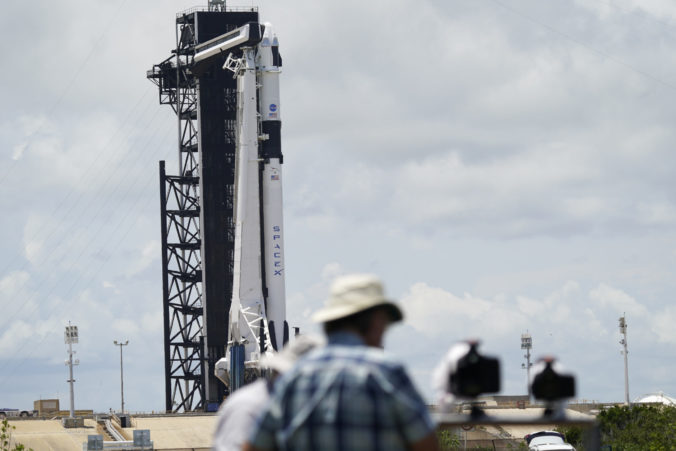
622,428
630,428
574,435
448,440
6,438
639,428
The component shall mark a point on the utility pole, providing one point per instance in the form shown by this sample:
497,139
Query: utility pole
120,344
527,344
623,342
70,336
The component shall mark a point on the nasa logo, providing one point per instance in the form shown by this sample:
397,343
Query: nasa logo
273,107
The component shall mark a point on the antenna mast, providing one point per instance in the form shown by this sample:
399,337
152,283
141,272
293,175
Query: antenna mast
527,344
623,342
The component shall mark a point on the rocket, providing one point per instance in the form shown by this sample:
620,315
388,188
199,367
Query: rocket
268,64
257,317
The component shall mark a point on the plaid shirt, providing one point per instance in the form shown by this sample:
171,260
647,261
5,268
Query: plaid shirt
345,396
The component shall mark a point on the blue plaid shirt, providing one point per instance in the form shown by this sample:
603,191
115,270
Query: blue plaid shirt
345,396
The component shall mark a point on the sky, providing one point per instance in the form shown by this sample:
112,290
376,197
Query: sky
505,166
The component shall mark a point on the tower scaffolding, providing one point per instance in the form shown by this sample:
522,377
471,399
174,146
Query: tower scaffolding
197,209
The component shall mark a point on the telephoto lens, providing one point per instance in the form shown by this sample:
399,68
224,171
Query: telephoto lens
549,384
475,374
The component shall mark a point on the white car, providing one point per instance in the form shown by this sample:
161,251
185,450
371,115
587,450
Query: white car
547,441
8,413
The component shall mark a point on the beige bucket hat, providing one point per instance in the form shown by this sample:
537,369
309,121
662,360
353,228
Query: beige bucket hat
355,293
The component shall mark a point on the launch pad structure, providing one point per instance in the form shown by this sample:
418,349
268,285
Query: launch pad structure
197,209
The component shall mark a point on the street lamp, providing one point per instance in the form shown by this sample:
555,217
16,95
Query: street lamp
70,337
120,344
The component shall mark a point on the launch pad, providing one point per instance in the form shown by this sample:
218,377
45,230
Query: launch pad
222,251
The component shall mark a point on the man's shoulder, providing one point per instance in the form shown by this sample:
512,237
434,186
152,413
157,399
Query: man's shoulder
353,355
251,394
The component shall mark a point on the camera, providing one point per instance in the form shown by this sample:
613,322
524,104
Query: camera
550,385
474,374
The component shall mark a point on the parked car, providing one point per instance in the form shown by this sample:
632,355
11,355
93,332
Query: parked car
547,441
8,413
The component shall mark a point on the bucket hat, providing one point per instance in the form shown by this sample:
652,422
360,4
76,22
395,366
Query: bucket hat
353,294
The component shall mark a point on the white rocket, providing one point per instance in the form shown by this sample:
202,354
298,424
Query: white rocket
269,64
257,320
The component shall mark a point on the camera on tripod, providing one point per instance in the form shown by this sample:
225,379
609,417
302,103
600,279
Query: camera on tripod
549,384
474,373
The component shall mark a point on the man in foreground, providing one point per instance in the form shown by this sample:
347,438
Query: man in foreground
349,395
237,415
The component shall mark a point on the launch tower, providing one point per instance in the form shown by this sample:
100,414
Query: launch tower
197,215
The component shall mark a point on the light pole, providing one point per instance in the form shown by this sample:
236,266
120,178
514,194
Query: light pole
527,344
70,336
120,344
623,342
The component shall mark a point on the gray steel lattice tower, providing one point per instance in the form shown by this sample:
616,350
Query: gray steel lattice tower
197,208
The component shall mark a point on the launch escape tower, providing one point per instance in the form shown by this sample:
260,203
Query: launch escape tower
197,216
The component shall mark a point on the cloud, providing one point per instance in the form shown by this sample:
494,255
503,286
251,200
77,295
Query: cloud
150,253
12,283
663,324
302,304
19,150
617,300
466,316
125,327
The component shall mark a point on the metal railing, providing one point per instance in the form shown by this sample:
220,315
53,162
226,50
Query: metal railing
200,8
126,445
113,432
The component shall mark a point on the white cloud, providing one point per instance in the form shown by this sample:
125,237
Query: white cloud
19,150
663,324
617,300
657,213
434,311
125,327
12,283
14,336
152,323
151,252
301,305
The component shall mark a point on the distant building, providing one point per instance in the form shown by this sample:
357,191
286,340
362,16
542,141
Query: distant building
656,398
45,407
